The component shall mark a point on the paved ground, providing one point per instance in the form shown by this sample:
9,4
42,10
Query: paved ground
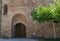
18,39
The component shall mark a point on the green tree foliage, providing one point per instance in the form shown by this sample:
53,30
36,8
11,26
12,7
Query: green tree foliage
46,13
55,10
41,14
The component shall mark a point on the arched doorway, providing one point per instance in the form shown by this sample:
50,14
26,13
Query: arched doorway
19,30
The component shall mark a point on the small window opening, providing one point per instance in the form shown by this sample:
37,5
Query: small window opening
5,9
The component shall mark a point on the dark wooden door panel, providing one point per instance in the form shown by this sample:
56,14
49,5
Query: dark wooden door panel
20,31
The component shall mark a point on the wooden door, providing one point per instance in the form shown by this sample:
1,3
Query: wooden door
20,31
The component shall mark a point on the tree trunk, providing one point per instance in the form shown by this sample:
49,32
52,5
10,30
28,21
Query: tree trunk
54,30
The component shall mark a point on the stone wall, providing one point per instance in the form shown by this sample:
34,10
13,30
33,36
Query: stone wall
0,13
24,7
